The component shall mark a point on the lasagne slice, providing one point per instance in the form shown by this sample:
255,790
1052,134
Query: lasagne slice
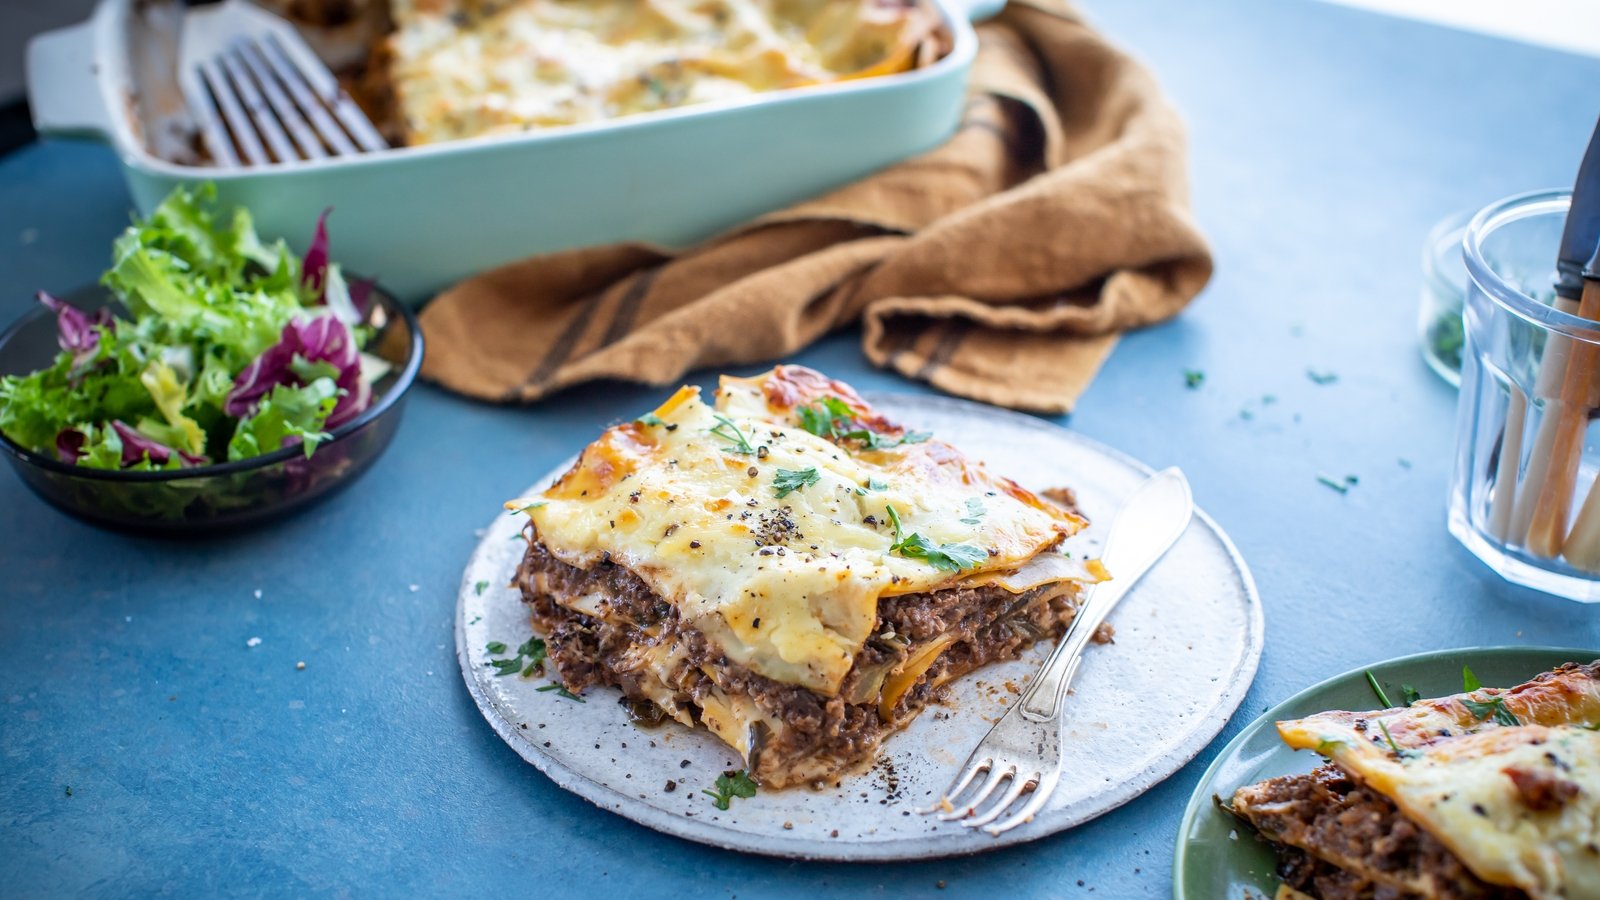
1487,794
789,569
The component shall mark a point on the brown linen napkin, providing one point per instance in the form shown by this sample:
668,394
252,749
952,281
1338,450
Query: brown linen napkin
1000,266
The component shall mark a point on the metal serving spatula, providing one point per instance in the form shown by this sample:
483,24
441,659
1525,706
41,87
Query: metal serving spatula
259,94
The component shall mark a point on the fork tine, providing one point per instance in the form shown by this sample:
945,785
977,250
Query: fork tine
326,87
304,137
238,123
969,771
203,106
1035,802
293,79
1018,785
997,774
255,106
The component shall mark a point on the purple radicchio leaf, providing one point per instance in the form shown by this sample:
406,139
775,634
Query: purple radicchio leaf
315,339
361,293
135,447
69,445
76,332
314,267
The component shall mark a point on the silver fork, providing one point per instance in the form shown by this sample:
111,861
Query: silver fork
259,94
1024,747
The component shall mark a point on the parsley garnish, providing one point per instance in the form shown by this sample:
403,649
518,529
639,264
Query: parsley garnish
1322,377
946,557
1409,694
560,692
1494,706
1193,378
478,589
529,658
975,511
730,432
790,480
825,417
830,417
649,419
1483,709
1398,750
729,786
1376,689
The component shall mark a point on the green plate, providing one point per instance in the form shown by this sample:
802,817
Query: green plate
1217,857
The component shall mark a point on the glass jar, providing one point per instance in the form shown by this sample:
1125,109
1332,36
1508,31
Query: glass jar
1444,290
1524,497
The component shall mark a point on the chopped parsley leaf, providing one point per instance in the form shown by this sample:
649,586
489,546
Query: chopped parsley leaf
1378,689
729,786
788,481
831,418
1409,694
560,692
529,658
945,557
1342,487
975,511
478,590
1322,377
825,418
1469,681
1494,706
1193,378
730,432
649,419
1399,751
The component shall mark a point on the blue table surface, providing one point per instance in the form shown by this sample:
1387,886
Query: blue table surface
1325,142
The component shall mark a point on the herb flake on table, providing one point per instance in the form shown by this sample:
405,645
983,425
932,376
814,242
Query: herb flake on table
1322,378
787,481
730,785
478,590
1193,378
1342,487
1409,694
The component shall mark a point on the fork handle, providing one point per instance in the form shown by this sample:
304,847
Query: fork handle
1147,526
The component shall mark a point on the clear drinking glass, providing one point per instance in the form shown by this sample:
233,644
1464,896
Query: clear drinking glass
1524,497
1444,291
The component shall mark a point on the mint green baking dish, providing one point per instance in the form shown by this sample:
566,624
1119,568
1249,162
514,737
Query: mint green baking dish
421,218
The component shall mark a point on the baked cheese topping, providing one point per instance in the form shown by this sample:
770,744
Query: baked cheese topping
463,68
777,542
1509,780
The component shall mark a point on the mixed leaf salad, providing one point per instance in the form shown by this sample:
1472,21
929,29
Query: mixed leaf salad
235,348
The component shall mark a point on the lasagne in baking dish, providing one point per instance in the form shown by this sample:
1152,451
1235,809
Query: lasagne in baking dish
454,69
1486,794
789,569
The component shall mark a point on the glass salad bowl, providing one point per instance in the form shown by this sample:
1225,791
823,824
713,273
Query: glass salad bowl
226,495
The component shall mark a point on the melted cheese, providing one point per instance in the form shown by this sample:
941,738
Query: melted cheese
785,586
1453,775
463,68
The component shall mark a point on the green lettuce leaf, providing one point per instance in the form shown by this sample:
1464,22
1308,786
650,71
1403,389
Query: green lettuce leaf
285,413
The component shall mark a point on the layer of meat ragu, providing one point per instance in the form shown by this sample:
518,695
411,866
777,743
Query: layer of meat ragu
921,642
1337,840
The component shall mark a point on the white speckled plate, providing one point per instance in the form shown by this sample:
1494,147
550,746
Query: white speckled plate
1187,642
